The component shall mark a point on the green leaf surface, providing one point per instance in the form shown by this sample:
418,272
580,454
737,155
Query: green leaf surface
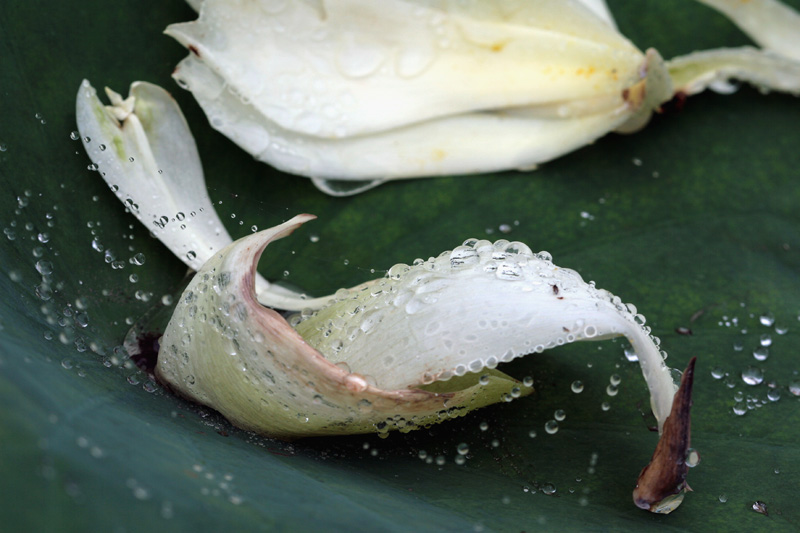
695,220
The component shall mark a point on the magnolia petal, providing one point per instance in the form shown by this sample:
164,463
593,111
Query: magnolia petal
693,73
460,144
770,23
143,149
349,67
451,317
224,350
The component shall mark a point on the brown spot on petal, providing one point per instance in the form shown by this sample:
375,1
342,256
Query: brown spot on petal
662,482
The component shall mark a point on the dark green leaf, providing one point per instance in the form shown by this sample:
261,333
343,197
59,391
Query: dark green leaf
695,220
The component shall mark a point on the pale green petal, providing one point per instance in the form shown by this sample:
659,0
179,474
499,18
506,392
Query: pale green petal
224,350
377,354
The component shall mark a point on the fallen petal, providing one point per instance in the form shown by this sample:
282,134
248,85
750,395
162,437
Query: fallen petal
401,352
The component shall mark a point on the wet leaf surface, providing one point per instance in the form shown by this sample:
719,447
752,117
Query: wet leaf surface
694,220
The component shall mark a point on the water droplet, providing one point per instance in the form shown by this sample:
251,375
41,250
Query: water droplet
630,355
612,390
484,426
313,238
717,373
774,394
74,135
767,319
549,488
532,434
463,448
723,498
692,458
44,267
740,409
752,375
605,406
560,415
190,255
615,379
137,259
761,353
765,339
794,388
527,381
102,147
551,427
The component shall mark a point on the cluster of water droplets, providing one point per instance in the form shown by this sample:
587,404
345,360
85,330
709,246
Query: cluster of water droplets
761,387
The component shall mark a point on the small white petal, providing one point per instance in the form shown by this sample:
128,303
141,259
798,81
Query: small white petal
770,23
145,152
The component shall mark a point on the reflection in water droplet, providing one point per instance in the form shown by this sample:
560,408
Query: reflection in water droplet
767,319
752,375
761,353
717,373
560,415
551,427
723,498
692,458
577,386
549,488
794,388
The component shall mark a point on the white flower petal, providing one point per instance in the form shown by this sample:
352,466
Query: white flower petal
350,67
693,73
451,319
459,144
143,149
770,23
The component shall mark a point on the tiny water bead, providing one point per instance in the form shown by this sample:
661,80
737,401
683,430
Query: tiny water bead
612,390
752,375
717,373
549,489
767,319
723,498
560,415
462,448
794,388
577,386
765,340
615,379
551,427
761,353
692,458
605,406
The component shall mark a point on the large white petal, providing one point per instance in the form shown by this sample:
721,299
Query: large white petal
460,144
349,67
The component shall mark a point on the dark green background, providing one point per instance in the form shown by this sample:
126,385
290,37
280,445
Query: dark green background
714,236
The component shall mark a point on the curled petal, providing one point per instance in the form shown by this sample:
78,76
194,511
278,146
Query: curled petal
143,149
223,349
402,352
